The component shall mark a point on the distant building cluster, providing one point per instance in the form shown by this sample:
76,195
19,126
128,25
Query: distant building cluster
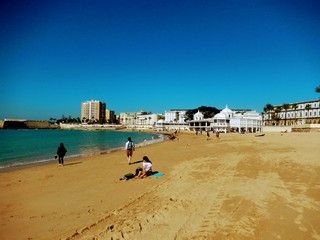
298,113
176,119
227,120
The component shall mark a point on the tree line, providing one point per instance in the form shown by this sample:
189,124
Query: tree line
208,112
64,119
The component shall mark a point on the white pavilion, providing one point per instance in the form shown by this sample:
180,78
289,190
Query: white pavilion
199,123
228,121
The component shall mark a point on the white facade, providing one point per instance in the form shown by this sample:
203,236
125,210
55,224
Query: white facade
221,121
146,119
250,121
198,116
297,114
127,118
175,116
139,119
161,125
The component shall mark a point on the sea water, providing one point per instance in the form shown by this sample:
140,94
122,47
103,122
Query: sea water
25,146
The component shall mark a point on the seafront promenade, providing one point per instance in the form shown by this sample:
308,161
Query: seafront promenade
235,187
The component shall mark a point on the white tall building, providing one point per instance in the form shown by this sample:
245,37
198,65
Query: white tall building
174,119
175,116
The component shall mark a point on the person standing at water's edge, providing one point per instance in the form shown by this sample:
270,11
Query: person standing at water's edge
61,152
129,149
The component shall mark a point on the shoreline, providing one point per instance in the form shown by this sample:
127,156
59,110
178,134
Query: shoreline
24,165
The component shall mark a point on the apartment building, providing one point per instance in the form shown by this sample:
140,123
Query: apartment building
110,116
93,111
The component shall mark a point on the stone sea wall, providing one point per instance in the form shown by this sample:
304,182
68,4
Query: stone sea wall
307,128
39,124
91,126
277,129
28,124
296,128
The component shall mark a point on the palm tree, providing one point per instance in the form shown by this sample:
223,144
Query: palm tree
294,107
285,107
308,107
317,89
268,109
276,116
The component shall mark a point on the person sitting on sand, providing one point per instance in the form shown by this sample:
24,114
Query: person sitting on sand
172,137
146,169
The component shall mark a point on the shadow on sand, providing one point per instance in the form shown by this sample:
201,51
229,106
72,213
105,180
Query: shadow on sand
72,163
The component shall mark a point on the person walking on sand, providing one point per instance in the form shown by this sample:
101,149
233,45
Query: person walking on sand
129,149
217,133
61,152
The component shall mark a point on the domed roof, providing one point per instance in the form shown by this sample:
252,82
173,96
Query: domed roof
198,114
226,110
237,115
220,116
252,114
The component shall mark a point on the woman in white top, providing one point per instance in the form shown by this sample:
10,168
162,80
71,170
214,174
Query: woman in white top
146,168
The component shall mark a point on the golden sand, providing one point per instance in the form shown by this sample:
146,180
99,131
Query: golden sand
235,187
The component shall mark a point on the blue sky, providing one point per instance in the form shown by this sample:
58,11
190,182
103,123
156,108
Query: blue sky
156,55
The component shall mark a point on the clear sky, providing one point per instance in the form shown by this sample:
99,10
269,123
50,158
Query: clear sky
156,55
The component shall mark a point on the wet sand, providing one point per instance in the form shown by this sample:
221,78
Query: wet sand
235,187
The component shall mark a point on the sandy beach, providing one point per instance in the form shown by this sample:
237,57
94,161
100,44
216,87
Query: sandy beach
235,187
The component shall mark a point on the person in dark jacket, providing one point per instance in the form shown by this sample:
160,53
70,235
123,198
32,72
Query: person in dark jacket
61,151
